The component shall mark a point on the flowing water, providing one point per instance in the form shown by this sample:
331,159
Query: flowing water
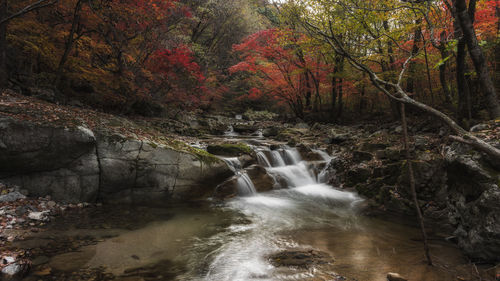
233,240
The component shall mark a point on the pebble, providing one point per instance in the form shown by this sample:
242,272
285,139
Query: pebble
8,259
12,269
11,197
38,216
391,276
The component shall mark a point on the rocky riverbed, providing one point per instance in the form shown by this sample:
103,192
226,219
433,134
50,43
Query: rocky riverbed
69,163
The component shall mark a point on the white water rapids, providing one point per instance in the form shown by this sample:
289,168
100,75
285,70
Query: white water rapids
241,252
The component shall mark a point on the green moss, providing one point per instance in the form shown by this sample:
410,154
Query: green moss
229,149
204,156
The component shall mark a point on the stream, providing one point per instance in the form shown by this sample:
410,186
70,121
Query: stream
233,240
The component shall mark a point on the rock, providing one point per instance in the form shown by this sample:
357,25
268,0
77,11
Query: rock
245,128
300,258
270,132
358,174
395,277
398,130
8,259
337,138
231,150
371,147
479,127
14,271
51,204
393,154
301,126
48,160
43,94
227,189
260,178
473,198
360,156
421,142
39,216
11,197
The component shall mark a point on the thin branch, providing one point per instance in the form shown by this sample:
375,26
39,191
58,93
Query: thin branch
37,5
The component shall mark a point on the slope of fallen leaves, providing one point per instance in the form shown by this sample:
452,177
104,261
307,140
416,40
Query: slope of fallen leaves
42,113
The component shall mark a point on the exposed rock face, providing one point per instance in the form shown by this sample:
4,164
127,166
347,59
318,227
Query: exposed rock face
49,161
75,165
474,202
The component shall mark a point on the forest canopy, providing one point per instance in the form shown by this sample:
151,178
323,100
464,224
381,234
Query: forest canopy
309,58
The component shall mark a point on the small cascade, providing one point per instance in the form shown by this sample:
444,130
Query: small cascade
245,185
293,175
277,159
291,156
284,164
258,133
323,154
233,163
230,132
262,159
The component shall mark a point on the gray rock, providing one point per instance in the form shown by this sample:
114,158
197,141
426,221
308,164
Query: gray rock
301,126
270,132
360,156
398,129
12,196
395,277
12,270
73,165
479,127
39,216
47,160
473,202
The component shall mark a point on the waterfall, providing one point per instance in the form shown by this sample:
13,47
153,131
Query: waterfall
262,159
284,165
291,155
294,175
230,132
233,163
244,184
277,159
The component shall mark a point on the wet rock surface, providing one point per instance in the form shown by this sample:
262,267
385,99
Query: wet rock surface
300,258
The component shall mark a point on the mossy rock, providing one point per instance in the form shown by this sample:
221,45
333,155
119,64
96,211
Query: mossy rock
232,150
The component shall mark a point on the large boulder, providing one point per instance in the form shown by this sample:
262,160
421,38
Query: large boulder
229,149
136,171
73,165
45,160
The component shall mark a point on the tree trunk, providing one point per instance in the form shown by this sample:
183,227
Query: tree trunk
411,177
334,95
3,45
341,104
477,56
442,68
69,42
394,105
308,91
340,87
417,36
429,80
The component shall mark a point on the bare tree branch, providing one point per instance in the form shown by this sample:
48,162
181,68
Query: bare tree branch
37,5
